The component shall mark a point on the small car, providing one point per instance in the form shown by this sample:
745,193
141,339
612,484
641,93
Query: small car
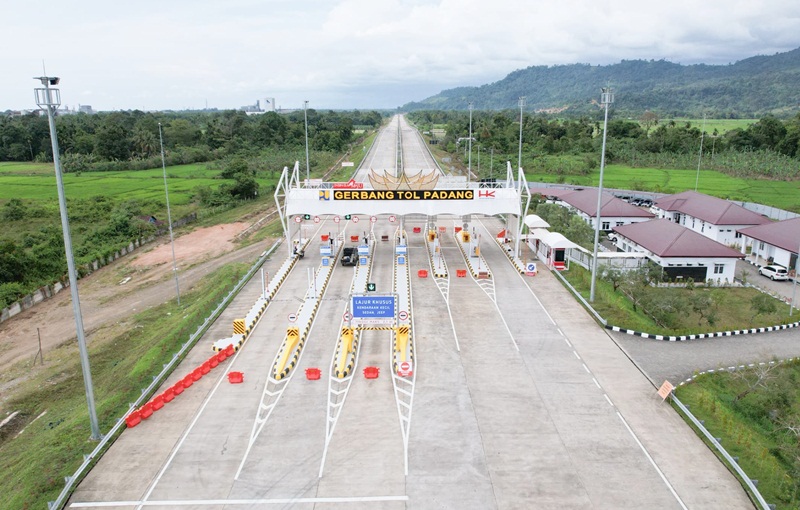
774,272
612,237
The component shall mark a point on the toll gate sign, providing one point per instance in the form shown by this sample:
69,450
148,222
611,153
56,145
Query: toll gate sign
370,310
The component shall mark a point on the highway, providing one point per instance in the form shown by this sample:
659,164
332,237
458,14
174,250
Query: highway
518,399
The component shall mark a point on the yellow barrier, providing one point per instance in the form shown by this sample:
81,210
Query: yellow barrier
239,327
431,235
346,349
402,342
465,236
292,337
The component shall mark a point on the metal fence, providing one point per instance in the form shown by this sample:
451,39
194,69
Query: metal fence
104,443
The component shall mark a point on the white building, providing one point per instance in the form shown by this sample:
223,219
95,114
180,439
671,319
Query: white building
775,242
613,211
681,252
712,217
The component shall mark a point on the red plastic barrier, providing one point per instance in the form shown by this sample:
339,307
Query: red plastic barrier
422,273
457,230
146,411
230,351
157,402
187,381
313,374
354,239
205,368
133,419
417,230
178,388
372,372
235,377
324,237
222,356
168,395
213,361
461,273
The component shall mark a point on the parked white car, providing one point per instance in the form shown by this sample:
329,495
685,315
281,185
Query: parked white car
774,272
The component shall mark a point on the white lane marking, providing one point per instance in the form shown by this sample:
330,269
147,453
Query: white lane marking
587,369
596,383
576,354
567,340
608,400
214,502
652,462
560,332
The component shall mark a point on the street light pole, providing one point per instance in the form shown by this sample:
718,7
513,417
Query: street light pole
521,105
469,164
169,216
606,98
51,99
308,167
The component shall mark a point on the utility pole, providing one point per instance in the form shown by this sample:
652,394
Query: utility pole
469,164
50,99
308,167
169,216
521,106
606,98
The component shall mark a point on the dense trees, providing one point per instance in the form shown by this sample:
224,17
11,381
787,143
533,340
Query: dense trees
92,142
768,148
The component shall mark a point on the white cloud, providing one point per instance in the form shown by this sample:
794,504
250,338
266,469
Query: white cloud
354,53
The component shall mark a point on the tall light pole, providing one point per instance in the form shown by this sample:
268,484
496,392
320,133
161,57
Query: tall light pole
50,99
521,105
700,157
308,167
169,216
469,163
606,98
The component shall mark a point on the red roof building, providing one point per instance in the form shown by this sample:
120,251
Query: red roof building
712,217
613,211
777,241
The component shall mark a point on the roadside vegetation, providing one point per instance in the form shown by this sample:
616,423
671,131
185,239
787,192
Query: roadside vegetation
114,180
756,160
45,441
755,413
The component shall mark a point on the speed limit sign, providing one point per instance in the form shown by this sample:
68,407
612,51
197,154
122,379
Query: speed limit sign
373,219
298,219
336,219
392,218
355,219
316,219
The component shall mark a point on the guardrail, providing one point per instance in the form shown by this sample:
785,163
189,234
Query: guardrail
88,460
731,461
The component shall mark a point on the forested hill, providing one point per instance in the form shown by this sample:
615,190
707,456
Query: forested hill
749,88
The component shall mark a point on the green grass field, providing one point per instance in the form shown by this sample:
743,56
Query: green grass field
721,125
781,194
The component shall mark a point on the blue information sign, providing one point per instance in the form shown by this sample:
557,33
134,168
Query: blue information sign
373,309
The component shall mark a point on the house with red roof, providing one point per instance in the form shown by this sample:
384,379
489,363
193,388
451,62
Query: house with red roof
712,217
776,242
680,251
614,212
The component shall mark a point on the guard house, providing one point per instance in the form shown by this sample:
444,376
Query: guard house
550,247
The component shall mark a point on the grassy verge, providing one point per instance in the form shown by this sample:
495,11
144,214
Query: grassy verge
732,307
36,454
754,427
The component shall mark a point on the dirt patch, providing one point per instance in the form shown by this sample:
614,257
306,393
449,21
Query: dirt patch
112,294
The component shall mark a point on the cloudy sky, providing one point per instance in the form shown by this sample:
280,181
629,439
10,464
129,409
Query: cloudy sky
177,54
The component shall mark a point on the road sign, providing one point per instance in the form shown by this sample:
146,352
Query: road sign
346,316
405,369
298,219
373,219
530,269
392,218
347,163
292,317
306,216
316,219
336,219
403,315
347,216
373,309
371,287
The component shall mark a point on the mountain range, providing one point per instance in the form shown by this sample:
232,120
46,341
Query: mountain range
749,88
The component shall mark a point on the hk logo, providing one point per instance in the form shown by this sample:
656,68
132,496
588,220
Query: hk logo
485,193
325,194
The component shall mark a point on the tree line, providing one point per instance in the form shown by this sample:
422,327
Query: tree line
768,148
